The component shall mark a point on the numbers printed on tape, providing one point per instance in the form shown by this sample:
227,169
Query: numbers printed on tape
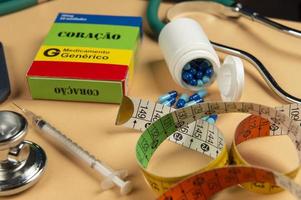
183,127
190,136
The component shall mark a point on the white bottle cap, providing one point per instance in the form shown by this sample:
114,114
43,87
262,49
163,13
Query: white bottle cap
230,78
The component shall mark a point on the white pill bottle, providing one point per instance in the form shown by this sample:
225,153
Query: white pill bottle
183,41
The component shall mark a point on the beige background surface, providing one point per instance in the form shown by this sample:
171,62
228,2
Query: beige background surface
92,124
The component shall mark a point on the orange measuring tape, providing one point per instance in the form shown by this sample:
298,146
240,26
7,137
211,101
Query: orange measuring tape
182,127
250,128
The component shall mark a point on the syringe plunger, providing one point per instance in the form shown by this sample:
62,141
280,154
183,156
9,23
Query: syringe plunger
112,177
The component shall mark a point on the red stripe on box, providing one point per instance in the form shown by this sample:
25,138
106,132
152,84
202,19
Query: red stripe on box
79,70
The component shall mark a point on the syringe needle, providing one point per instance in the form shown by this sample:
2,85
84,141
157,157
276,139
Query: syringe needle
112,176
23,110
26,112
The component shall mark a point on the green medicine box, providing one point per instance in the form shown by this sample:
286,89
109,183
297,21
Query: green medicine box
86,58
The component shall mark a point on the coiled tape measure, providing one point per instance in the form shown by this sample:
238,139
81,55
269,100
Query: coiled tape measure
182,126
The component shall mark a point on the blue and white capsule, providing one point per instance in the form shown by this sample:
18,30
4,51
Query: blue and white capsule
212,119
197,72
193,82
187,66
200,83
192,71
170,102
201,100
182,101
205,64
205,79
199,75
190,103
170,95
209,72
205,118
194,102
199,95
186,76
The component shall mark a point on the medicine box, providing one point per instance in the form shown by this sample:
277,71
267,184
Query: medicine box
86,58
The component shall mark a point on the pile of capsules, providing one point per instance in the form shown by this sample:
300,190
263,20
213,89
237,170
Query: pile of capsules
197,72
170,99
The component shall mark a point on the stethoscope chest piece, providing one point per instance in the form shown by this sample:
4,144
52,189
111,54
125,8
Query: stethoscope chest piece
21,162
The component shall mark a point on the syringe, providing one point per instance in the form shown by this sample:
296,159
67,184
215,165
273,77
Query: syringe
111,176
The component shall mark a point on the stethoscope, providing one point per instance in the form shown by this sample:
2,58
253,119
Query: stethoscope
9,6
229,8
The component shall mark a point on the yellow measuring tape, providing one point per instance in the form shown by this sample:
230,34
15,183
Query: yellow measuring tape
203,186
182,126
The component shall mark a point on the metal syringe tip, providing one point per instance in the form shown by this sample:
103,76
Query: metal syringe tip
22,109
26,112
18,106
